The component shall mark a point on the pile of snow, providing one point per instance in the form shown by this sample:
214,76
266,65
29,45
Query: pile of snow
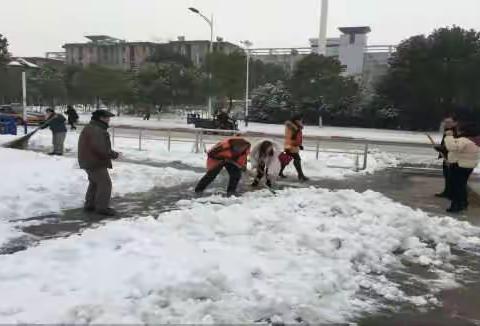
340,166
307,253
34,184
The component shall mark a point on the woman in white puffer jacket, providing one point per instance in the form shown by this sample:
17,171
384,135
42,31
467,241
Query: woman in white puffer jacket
264,158
465,149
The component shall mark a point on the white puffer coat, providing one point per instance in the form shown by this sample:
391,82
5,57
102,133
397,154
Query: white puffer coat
271,162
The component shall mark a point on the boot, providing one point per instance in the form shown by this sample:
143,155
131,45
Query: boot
442,195
303,178
255,183
455,208
298,167
281,175
89,209
107,212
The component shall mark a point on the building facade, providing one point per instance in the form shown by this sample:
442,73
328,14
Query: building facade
108,51
118,54
366,63
197,51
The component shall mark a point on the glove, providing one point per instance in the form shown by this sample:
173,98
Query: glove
301,147
115,155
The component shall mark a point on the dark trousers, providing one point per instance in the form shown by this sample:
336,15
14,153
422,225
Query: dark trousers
72,124
99,189
146,116
234,172
297,163
447,174
262,171
58,141
459,181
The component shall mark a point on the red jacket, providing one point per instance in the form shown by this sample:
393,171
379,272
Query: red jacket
233,150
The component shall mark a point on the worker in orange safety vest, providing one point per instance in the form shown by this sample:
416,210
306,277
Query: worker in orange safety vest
293,146
231,154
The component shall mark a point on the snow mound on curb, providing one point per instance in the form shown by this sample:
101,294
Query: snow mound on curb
306,253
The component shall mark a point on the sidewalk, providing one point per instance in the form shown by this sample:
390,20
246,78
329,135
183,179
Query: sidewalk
474,185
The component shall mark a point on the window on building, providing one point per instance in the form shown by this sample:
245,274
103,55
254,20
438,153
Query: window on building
352,38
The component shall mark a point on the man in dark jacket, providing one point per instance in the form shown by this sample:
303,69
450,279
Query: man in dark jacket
449,125
56,123
95,156
72,116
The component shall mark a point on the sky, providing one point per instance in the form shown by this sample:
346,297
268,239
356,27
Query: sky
34,27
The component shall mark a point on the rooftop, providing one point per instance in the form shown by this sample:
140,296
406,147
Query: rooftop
355,30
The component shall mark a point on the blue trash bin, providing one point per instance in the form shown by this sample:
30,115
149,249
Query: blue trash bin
8,125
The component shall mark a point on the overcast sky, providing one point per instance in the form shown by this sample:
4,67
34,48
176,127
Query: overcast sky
36,26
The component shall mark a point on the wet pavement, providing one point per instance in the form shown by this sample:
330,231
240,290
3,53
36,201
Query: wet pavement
411,187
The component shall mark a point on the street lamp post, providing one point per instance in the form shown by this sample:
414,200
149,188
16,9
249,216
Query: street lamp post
24,100
247,45
24,65
210,23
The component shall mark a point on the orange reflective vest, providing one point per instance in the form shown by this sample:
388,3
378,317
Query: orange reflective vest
222,152
293,137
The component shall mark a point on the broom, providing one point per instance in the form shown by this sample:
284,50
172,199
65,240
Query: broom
22,142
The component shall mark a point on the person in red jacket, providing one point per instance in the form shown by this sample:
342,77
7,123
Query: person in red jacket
231,154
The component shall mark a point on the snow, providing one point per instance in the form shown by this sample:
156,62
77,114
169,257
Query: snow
364,133
329,165
305,253
34,184
4,139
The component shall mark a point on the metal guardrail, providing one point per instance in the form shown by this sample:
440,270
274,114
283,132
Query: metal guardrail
204,137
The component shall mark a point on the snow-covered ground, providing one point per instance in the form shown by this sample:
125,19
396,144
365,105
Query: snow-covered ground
328,165
313,254
33,184
171,121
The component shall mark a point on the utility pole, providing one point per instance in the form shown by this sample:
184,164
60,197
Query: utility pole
247,45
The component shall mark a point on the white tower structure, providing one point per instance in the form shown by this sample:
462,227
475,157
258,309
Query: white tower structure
322,36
